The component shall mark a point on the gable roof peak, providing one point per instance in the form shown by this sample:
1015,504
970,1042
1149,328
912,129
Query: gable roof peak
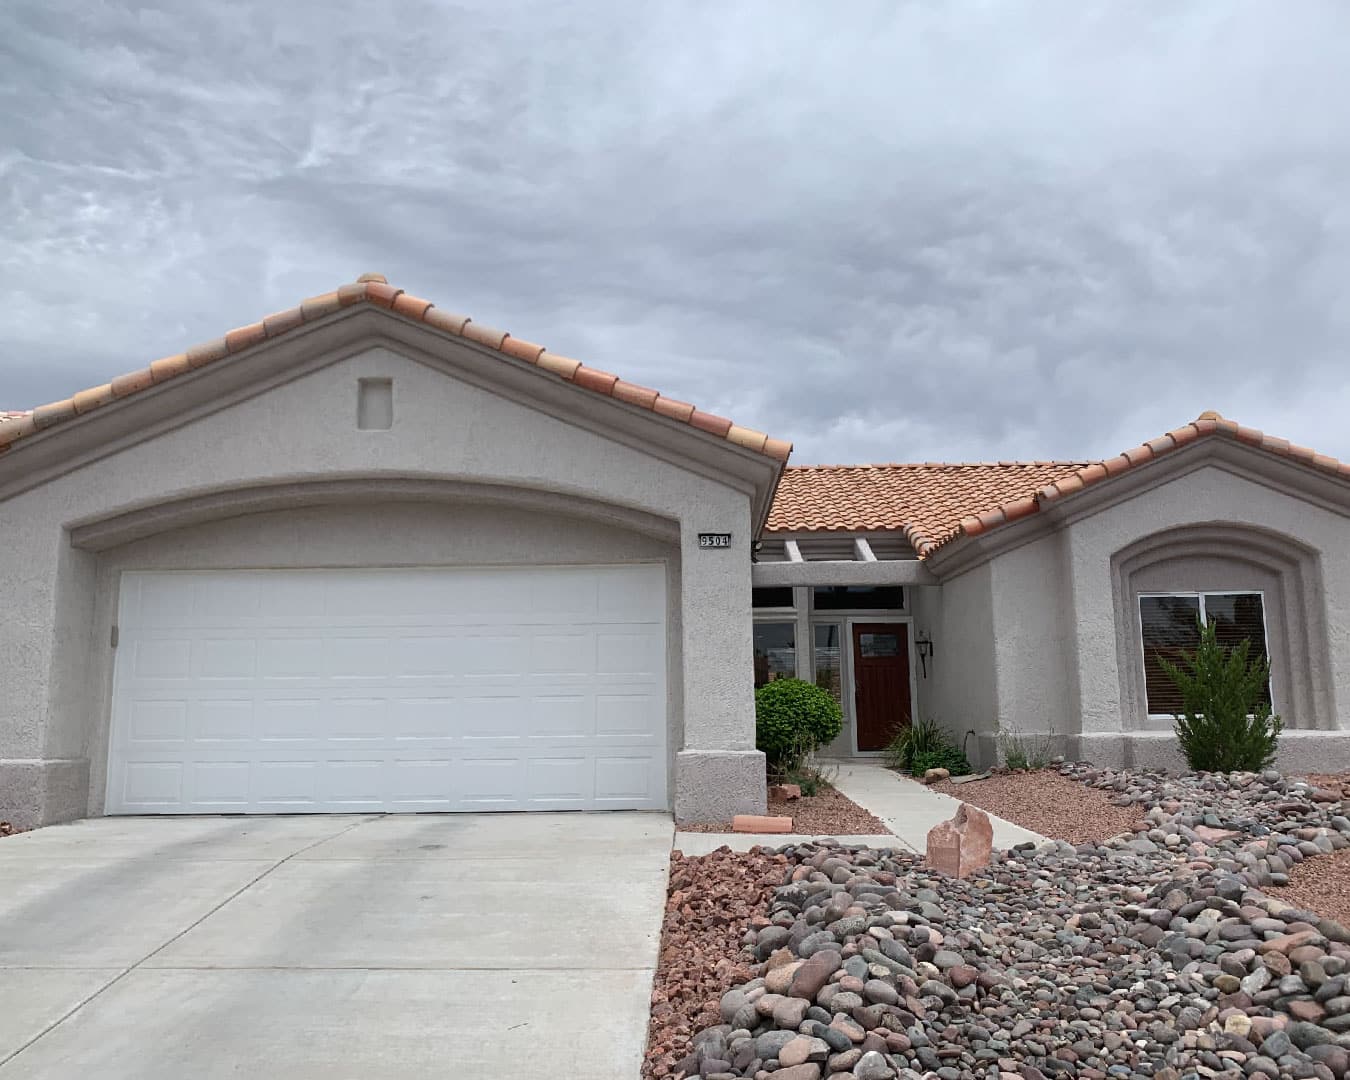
373,289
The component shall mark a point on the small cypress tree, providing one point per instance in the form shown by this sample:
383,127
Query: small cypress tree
1226,723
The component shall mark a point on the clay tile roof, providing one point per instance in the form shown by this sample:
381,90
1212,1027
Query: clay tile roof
374,289
926,501
935,504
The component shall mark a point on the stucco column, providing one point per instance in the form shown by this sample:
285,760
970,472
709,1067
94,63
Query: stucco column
718,771
40,783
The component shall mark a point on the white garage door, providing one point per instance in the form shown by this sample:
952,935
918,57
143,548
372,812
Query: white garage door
393,690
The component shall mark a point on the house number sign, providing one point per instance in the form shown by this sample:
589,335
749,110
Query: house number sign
714,540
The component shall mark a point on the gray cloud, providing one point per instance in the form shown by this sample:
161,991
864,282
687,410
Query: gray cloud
886,232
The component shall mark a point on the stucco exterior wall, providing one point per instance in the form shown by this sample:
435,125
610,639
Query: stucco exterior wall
1067,658
305,429
925,604
1036,649
962,693
1204,496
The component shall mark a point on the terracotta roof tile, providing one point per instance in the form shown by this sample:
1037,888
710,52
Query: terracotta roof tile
521,349
563,366
928,501
282,321
714,425
641,396
168,367
484,334
934,504
374,289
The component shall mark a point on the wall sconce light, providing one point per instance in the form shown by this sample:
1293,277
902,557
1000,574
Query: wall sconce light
923,645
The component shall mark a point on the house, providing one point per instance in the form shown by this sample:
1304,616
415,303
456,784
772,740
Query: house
369,555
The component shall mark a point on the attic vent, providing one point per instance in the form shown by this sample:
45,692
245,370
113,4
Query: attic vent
375,404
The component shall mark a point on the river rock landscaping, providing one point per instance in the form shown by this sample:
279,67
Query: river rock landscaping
1164,952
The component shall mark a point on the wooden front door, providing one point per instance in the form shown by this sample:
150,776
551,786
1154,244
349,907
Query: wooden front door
881,703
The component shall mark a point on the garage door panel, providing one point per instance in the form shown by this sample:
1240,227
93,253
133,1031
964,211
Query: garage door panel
355,720
629,653
558,781
221,720
333,691
629,595
154,783
292,658
562,654
625,777
565,717
153,724
628,716
160,659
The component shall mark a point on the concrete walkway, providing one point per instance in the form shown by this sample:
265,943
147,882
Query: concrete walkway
329,947
909,809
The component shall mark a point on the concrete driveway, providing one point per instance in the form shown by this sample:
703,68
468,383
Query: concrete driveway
337,947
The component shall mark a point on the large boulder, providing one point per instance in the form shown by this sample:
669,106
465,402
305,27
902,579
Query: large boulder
962,845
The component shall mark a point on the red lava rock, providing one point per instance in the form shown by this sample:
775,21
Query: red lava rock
753,823
785,792
963,844
710,901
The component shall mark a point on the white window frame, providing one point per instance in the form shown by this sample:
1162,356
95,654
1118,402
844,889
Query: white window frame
1199,595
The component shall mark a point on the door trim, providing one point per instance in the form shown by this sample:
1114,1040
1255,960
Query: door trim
849,622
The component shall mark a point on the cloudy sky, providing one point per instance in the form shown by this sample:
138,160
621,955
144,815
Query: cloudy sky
888,232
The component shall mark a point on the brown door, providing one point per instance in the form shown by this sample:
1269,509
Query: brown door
880,682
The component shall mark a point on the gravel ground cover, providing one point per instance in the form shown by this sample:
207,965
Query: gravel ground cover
710,901
1043,801
1163,953
827,813
1331,782
1320,885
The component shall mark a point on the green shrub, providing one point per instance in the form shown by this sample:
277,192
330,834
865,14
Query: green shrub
793,718
1026,751
923,746
811,778
921,737
947,757
1225,724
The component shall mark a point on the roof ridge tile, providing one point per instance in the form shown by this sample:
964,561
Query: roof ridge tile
375,289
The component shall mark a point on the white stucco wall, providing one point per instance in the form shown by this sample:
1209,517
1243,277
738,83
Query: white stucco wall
1052,625
1035,651
1205,495
305,429
962,691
